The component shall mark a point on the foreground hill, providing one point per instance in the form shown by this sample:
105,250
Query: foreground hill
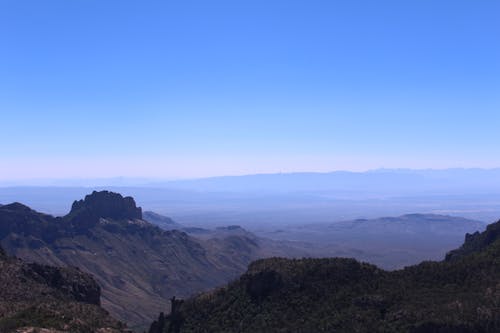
460,294
138,265
38,296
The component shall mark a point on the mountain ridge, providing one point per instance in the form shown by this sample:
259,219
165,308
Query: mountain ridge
138,265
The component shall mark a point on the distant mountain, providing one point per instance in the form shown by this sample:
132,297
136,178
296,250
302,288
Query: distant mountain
138,265
34,296
233,240
238,247
460,294
382,181
423,224
266,200
379,180
390,242
164,222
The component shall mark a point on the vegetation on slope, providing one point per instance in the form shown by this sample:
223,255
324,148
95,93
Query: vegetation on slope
343,295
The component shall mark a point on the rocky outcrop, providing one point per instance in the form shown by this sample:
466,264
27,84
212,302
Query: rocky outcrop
104,204
476,242
174,319
34,296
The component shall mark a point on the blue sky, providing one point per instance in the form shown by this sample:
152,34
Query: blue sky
199,88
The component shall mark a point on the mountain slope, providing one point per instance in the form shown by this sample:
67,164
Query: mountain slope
138,265
343,295
34,295
234,245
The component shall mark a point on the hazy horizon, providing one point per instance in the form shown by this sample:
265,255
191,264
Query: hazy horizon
285,198
145,180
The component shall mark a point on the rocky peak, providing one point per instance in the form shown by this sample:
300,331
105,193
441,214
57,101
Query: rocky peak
476,242
105,204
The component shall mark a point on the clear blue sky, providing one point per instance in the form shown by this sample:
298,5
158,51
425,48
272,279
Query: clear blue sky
93,88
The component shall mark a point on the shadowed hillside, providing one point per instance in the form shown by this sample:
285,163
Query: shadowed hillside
66,299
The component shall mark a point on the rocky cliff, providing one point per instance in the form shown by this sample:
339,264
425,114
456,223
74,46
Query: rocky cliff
65,299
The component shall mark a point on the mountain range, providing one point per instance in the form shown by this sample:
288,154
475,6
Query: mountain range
388,242
141,260
387,181
270,200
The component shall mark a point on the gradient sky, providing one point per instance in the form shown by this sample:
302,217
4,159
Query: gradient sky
93,88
